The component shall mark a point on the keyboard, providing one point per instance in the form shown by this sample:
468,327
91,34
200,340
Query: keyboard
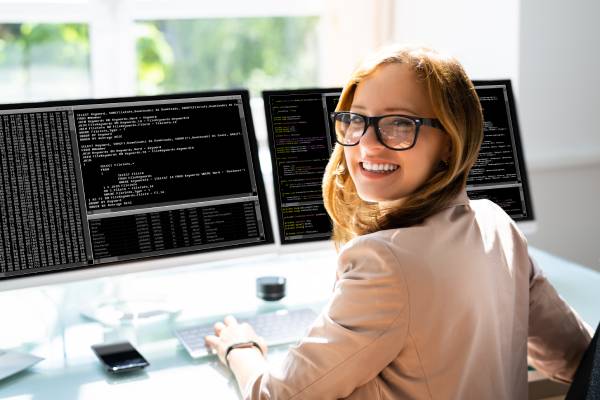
278,327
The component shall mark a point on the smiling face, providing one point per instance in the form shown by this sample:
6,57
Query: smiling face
382,174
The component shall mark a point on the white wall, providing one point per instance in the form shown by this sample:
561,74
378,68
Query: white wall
559,104
551,51
350,29
483,35
567,212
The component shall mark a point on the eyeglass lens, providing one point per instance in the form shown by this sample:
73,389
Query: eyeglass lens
394,131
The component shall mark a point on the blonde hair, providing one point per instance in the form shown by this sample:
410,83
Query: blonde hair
455,104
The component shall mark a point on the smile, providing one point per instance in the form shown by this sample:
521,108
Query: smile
381,168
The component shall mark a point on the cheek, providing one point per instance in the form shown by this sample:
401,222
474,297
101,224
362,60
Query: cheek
417,169
351,155
421,162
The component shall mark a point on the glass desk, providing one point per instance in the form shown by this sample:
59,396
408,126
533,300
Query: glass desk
47,322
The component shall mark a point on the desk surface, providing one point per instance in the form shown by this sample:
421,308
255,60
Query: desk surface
47,322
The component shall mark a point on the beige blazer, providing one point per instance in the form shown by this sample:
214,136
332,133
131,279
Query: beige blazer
450,309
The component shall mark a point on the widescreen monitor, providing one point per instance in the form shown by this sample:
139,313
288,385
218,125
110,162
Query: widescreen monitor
109,186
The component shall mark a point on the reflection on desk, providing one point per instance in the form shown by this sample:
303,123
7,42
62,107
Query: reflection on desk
47,323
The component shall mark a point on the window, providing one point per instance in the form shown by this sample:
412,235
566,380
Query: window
55,49
44,61
222,53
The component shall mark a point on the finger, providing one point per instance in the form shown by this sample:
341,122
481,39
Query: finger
211,341
219,326
212,345
230,320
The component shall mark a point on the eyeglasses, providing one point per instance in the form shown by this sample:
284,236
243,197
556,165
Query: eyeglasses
396,132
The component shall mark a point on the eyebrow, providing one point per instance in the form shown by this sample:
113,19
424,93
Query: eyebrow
388,109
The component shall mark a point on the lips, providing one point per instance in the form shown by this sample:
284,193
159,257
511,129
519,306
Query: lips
378,168
375,175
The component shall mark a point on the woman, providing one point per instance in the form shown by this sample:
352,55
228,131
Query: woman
436,296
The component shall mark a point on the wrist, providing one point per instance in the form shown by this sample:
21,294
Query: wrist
248,347
242,355
246,364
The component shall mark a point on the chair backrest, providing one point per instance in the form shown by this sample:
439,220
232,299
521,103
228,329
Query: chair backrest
586,383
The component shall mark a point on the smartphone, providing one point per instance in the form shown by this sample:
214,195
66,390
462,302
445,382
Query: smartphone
119,357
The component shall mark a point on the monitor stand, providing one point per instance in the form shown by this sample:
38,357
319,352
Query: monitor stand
120,304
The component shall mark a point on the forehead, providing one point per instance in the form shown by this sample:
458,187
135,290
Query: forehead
392,88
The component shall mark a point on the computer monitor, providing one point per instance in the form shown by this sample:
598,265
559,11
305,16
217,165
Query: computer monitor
109,186
301,138
499,174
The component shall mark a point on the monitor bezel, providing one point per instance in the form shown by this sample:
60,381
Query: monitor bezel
156,261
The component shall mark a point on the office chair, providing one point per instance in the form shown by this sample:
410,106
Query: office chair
586,383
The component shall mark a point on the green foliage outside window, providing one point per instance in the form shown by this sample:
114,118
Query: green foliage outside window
50,43
43,61
52,61
220,53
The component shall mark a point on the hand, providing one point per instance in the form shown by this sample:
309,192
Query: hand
231,332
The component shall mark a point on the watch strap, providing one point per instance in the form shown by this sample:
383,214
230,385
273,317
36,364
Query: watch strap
241,345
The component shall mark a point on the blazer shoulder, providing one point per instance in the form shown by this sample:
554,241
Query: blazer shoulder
493,216
375,254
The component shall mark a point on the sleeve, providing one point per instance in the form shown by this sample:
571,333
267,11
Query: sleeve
557,337
360,331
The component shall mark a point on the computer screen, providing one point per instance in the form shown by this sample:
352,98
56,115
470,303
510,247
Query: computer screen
97,182
301,138
499,174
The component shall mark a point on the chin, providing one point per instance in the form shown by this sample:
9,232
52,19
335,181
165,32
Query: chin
375,197
372,196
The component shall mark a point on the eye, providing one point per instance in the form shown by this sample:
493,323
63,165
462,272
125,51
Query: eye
356,119
399,122
396,125
343,118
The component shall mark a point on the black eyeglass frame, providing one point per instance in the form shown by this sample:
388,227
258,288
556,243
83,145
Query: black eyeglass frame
432,122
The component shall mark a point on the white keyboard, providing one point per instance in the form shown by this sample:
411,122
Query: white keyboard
279,327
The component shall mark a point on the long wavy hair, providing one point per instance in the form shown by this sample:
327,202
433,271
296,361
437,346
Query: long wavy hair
455,104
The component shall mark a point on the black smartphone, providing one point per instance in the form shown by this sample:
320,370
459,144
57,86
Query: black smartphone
120,357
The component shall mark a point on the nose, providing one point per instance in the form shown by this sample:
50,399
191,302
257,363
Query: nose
369,142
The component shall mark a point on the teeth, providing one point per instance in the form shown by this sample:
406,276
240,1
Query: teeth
378,167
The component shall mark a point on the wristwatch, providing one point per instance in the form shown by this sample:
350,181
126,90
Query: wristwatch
242,345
